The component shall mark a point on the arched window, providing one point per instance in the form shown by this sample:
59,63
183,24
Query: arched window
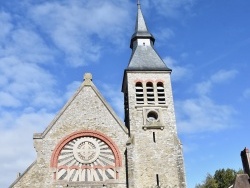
150,93
161,93
139,93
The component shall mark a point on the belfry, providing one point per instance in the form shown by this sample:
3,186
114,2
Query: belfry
87,145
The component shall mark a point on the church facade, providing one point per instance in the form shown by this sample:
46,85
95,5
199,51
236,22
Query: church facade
87,145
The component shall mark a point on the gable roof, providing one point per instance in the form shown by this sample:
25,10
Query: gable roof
21,175
87,83
242,181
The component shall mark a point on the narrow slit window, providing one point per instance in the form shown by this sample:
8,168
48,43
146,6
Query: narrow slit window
139,93
150,93
157,180
154,137
161,93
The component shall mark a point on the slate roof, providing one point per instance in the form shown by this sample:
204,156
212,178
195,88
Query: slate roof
141,30
242,181
144,57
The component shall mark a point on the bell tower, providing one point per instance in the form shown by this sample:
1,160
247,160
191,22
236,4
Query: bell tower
154,153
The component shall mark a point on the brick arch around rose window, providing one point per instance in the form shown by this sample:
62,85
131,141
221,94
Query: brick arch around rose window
83,133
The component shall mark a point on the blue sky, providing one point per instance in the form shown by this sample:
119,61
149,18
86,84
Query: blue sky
47,46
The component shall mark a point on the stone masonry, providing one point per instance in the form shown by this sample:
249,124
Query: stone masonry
86,110
148,158
88,146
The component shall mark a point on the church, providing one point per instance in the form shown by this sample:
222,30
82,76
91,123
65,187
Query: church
87,145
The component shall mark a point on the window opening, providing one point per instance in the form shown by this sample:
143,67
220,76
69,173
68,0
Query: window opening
157,180
152,116
150,93
154,137
139,93
160,93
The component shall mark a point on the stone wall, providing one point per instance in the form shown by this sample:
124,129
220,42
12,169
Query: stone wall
155,154
87,110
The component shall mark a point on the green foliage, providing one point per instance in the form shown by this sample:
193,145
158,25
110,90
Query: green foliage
222,178
208,183
225,178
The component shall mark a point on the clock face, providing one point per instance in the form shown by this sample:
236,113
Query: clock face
86,159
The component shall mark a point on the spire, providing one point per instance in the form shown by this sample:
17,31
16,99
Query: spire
144,57
141,30
138,4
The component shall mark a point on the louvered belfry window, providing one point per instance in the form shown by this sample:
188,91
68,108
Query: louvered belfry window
150,93
160,93
153,93
139,93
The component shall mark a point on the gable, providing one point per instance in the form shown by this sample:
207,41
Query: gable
242,181
87,108
86,118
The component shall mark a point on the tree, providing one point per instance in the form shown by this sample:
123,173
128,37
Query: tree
221,179
225,178
208,183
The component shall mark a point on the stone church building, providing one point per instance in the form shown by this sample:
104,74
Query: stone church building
87,145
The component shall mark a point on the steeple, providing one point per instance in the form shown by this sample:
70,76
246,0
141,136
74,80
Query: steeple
153,150
144,57
141,30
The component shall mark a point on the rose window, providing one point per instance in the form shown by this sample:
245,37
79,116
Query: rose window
85,158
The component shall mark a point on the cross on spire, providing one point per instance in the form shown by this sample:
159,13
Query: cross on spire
138,4
141,30
144,56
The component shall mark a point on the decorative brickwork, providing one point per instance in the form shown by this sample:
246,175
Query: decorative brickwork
86,133
86,156
87,145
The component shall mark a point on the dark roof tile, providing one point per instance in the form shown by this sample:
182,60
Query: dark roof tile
242,181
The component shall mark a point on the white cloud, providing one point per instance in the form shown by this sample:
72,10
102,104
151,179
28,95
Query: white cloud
34,37
178,72
5,24
202,114
17,151
165,34
28,83
203,88
184,55
23,44
190,147
71,89
29,46
72,25
25,121
246,93
8,100
174,8
115,97
222,76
